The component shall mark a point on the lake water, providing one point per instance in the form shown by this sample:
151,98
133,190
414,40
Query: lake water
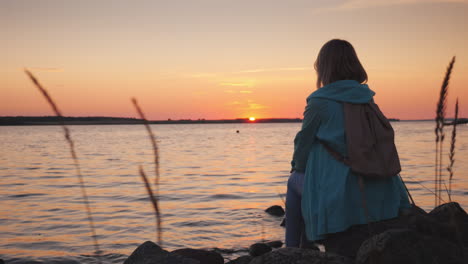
215,186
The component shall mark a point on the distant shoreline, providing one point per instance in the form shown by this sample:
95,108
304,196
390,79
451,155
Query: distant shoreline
99,120
53,120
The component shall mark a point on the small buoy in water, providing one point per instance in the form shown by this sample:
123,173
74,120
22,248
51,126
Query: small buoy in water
237,131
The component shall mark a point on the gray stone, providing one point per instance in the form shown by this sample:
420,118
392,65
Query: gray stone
405,246
275,210
300,256
446,212
275,244
259,249
203,256
150,253
241,260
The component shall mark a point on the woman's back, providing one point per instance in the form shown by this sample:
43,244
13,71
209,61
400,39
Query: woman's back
332,199
331,196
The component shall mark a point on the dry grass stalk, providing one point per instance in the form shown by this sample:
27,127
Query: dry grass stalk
71,144
452,150
439,131
156,164
154,201
153,142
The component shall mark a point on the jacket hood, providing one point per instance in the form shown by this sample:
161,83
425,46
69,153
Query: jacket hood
348,91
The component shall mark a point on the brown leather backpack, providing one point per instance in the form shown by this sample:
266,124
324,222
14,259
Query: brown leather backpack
370,142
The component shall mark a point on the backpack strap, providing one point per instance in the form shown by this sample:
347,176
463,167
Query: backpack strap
407,191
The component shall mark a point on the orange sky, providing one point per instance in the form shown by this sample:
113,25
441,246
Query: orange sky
224,59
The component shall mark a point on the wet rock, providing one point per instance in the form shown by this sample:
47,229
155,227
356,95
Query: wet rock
300,256
275,244
241,260
405,246
455,220
150,253
259,249
203,256
144,253
347,243
445,212
275,210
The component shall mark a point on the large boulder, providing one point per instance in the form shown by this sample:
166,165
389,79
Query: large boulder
405,246
275,243
300,256
259,249
454,220
446,212
241,260
203,256
150,253
347,243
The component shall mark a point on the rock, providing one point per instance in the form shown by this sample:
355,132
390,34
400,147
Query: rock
445,212
405,246
1,261
241,260
455,220
203,256
144,253
347,243
300,256
275,244
259,249
150,253
275,210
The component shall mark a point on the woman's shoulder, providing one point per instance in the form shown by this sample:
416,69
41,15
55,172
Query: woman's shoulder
321,103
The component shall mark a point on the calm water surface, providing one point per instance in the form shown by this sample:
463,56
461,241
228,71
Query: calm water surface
215,185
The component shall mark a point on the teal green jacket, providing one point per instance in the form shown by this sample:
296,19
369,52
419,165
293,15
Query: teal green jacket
331,200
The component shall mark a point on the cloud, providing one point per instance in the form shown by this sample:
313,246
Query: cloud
219,75
242,92
254,106
44,69
247,105
359,4
249,83
276,69
200,75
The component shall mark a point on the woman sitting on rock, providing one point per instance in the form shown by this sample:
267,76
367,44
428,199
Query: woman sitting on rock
332,200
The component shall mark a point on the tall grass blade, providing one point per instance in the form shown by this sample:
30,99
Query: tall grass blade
439,130
71,144
154,199
153,142
452,150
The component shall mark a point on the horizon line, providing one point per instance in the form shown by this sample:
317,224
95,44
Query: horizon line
193,119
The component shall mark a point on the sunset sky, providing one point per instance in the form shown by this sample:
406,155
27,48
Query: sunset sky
218,59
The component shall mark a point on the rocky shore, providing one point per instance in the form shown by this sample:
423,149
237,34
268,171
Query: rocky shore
416,237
